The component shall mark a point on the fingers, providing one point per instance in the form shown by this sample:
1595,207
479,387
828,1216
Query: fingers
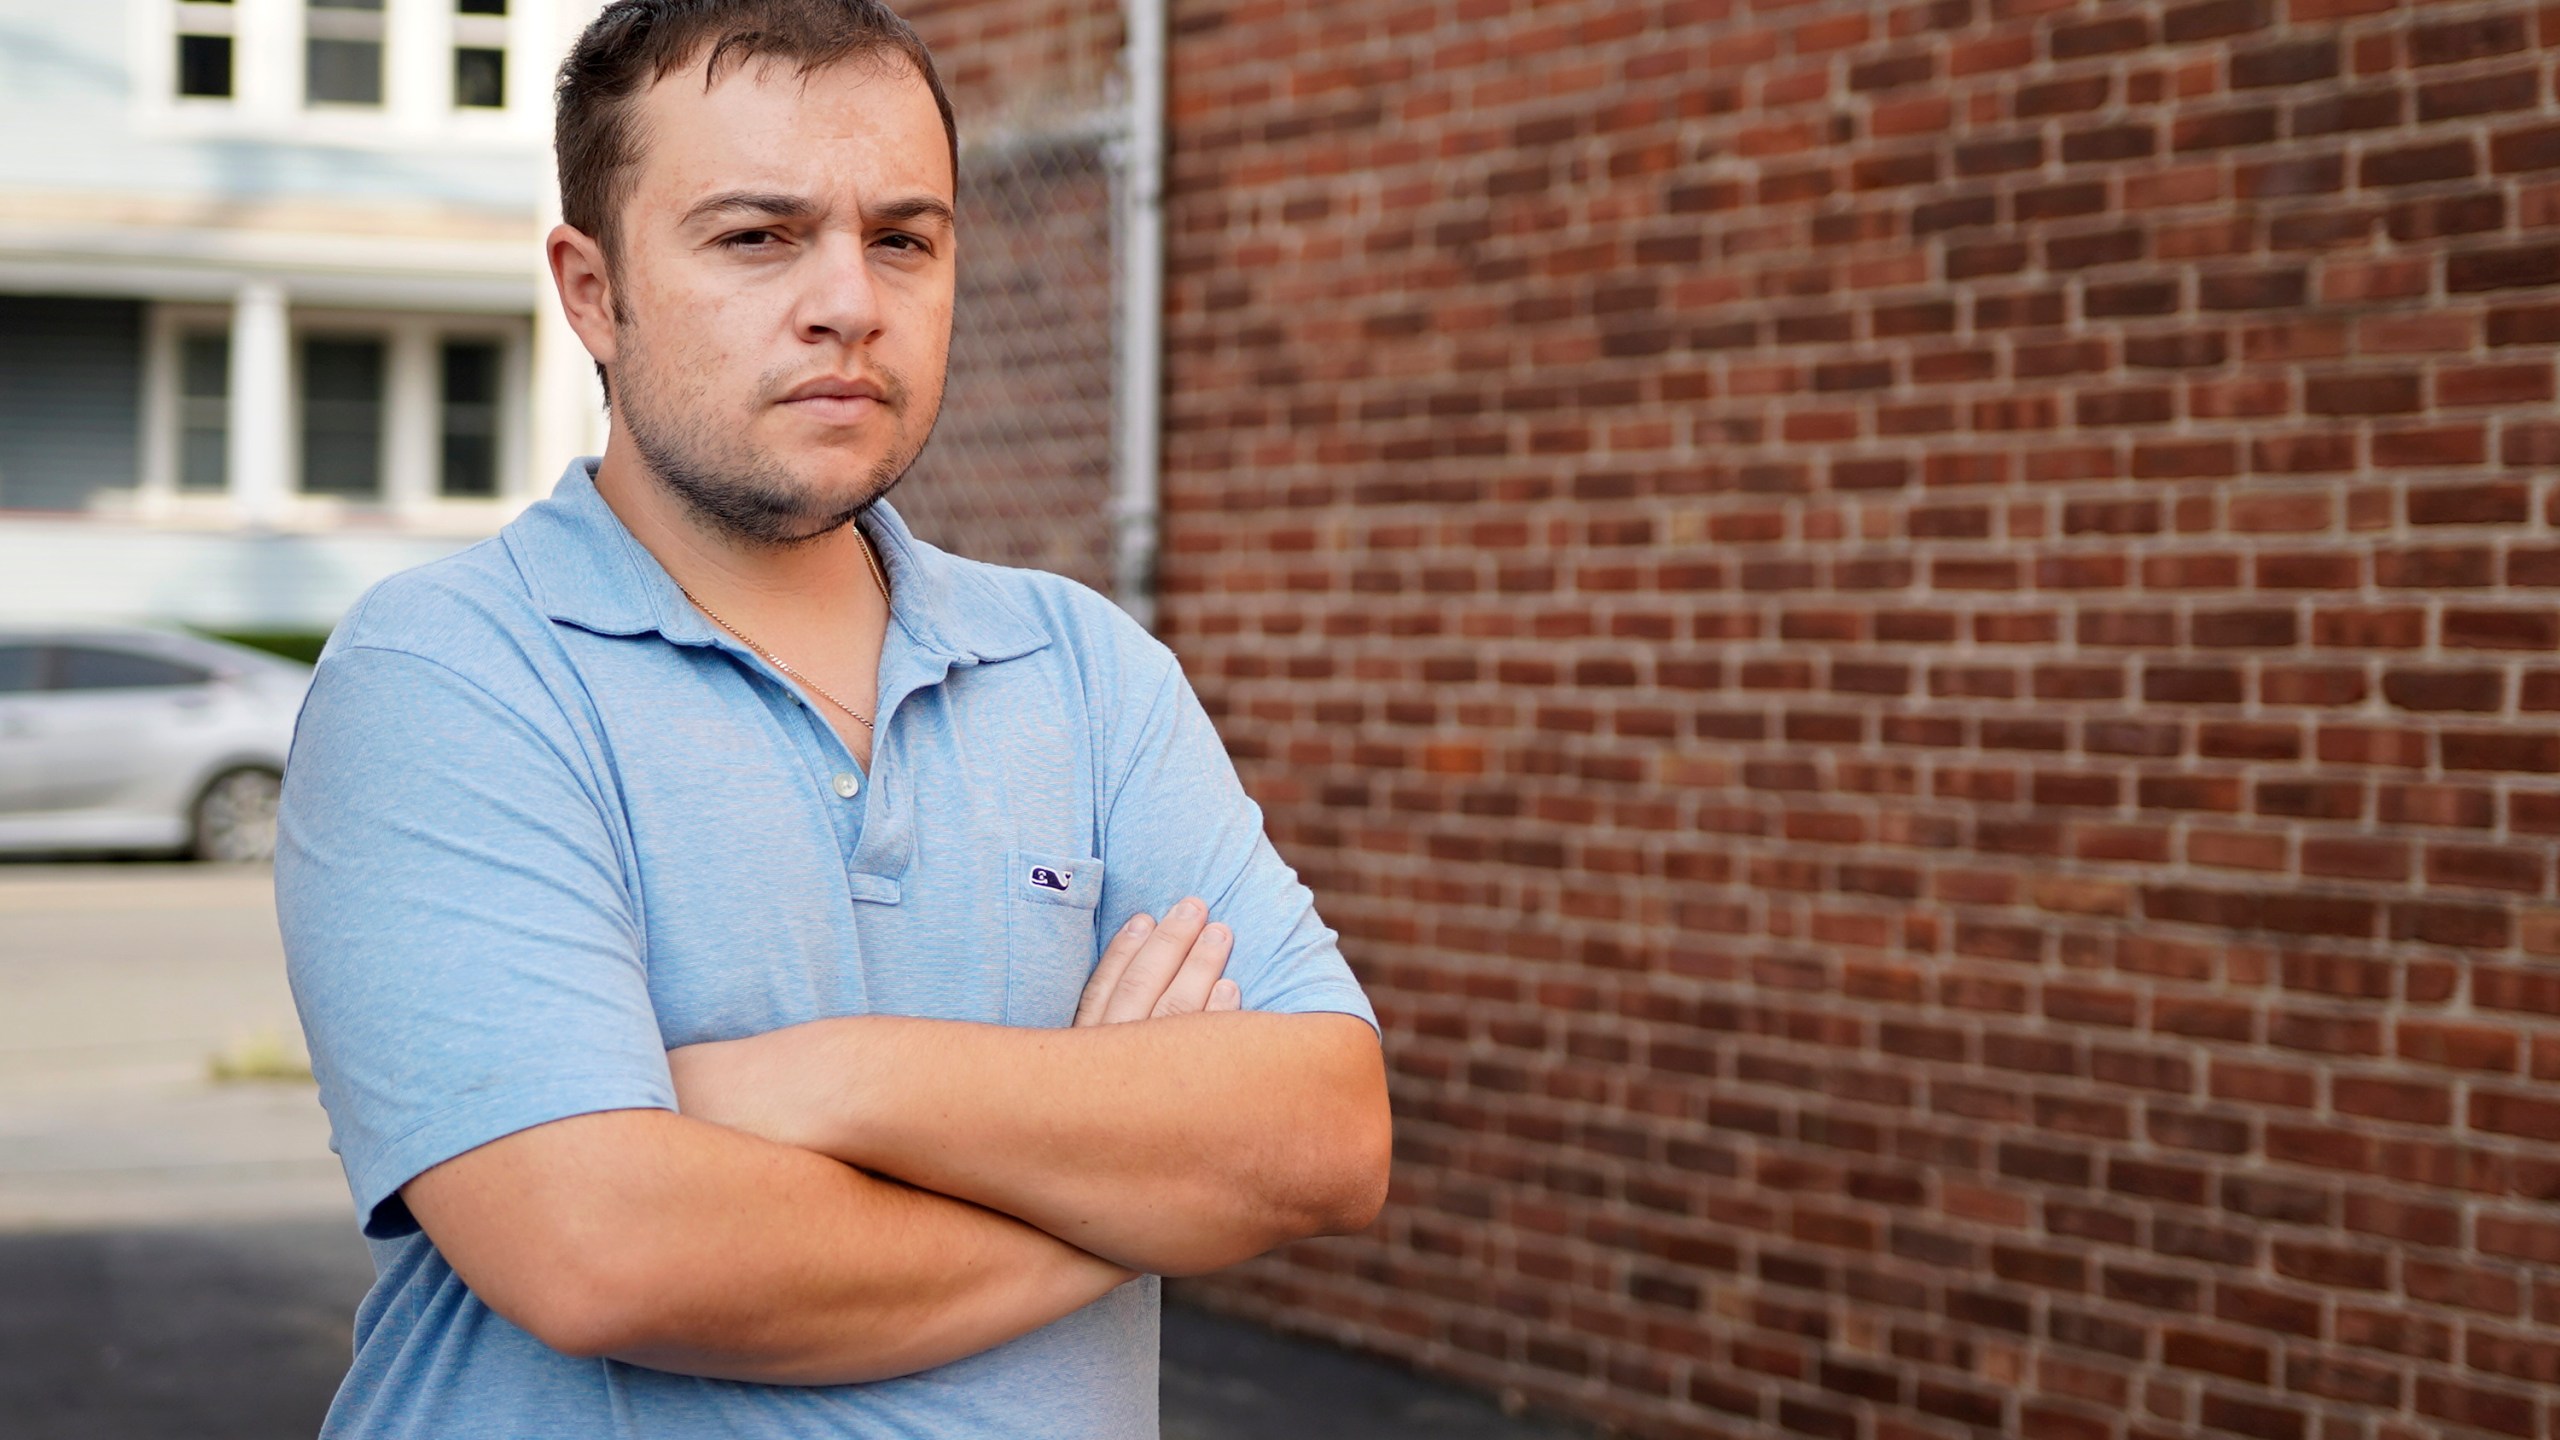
1114,963
1188,993
1177,967
1150,972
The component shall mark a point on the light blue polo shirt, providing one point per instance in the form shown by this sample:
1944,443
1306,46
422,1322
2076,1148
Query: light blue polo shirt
544,822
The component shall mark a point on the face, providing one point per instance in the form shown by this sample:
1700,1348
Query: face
781,296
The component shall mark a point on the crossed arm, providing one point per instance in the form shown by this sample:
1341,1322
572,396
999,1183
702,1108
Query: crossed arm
860,1198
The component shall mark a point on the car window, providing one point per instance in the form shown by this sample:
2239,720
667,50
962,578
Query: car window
19,668
86,667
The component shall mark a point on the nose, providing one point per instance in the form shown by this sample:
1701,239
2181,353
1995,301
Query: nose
841,303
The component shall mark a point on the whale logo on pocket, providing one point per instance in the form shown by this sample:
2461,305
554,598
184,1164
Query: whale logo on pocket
1047,879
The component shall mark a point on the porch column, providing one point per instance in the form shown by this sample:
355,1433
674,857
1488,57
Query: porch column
413,440
261,443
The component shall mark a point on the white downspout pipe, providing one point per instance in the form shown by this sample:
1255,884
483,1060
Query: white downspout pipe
1137,447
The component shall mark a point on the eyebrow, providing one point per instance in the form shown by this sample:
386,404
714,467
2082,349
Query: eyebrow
915,207
752,202
776,206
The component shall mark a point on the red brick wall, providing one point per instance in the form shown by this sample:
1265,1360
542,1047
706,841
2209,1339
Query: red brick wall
1916,645
1008,63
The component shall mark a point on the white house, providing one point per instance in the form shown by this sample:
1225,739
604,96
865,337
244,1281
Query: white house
273,321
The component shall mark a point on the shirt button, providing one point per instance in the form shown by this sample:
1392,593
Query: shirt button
848,784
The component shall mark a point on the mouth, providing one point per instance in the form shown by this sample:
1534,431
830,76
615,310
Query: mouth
834,400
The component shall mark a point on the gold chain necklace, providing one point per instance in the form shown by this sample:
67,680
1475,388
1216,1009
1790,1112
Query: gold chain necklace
777,662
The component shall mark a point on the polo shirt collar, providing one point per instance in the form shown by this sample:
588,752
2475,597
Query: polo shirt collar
583,567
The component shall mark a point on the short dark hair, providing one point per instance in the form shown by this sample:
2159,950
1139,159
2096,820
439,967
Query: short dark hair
636,43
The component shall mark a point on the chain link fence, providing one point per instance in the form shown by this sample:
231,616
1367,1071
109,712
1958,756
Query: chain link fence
1020,468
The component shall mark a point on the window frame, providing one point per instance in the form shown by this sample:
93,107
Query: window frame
444,344
412,430
326,327
324,24
481,32
180,399
268,100
203,18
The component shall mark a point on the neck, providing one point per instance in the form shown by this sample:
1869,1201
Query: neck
814,581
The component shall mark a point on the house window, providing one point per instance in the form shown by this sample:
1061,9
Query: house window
229,67
204,66
204,410
480,54
342,416
342,52
469,407
400,413
479,78
205,34
70,400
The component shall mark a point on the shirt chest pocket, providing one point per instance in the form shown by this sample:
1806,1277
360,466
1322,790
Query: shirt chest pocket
1050,912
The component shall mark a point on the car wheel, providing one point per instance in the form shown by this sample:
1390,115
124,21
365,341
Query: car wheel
235,818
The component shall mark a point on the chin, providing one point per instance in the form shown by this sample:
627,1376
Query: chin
820,449
841,476
847,484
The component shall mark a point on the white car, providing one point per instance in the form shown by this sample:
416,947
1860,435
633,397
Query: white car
134,740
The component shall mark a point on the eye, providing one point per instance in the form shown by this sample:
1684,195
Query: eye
909,243
750,240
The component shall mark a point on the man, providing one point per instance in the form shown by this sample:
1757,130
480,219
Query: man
693,895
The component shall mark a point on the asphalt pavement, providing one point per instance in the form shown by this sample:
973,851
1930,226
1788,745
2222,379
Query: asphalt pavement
176,1257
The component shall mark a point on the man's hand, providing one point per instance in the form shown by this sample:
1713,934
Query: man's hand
1150,971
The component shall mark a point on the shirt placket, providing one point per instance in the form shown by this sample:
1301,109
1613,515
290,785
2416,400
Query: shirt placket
842,788
883,850
872,825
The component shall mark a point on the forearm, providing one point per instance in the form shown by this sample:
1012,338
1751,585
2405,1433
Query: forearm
1173,1146
708,1252
903,1280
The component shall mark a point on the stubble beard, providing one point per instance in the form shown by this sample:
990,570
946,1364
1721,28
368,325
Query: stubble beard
733,487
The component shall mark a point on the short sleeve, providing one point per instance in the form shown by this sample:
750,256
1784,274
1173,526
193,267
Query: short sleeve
1178,822
460,938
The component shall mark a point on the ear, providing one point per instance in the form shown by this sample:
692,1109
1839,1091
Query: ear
578,272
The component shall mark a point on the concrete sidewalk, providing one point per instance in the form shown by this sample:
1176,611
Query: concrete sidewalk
120,987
